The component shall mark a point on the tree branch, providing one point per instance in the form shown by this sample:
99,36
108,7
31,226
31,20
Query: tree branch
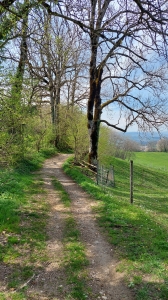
145,11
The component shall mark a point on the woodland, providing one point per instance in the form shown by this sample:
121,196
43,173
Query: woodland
72,72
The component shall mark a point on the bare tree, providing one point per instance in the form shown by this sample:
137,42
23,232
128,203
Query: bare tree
54,58
127,40
76,86
162,145
151,146
55,61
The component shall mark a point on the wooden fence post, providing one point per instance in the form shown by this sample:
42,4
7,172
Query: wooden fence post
131,181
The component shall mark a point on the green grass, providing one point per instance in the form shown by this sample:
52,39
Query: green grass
74,261
139,232
22,225
156,160
63,194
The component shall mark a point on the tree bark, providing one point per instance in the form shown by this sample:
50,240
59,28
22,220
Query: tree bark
94,112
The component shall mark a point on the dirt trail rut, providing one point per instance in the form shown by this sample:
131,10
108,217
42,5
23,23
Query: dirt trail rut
104,282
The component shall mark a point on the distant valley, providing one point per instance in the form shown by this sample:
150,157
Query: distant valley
144,138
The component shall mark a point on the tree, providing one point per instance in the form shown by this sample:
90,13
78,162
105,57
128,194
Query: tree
162,145
55,60
151,146
16,90
12,112
127,41
11,13
52,56
112,143
38,132
77,136
126,147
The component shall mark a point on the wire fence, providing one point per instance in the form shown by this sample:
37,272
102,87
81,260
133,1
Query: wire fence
131,177
135,183
141,184
105,176
102,175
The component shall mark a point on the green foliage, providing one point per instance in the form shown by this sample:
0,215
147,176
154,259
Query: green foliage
48,152
73,131
37,132
24,128
139,232
8,22
105,148
111,143
13,114
10,19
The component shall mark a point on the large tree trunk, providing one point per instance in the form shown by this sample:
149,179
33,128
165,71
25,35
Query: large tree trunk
94,103
94,112
55,103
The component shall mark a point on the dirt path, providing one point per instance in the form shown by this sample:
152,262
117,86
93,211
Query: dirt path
104,282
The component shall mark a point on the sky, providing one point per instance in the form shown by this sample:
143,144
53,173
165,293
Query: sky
112,117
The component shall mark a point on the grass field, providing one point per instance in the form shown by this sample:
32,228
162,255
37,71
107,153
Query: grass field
158,160
139,232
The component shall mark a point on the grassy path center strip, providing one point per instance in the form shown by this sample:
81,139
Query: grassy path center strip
75,260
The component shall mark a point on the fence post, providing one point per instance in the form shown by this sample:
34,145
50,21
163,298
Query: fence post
97,172
131,181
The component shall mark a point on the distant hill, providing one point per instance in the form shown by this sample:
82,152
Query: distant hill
144,138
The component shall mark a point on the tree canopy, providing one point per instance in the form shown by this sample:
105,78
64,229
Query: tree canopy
125,45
